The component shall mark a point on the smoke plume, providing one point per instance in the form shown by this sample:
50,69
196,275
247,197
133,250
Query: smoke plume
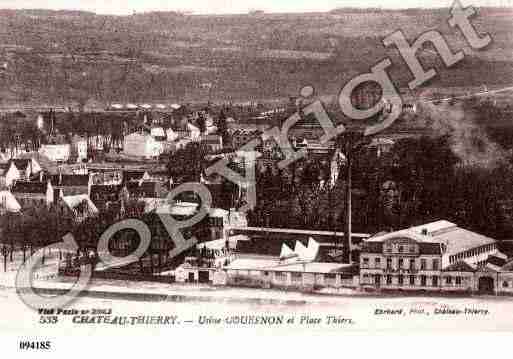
468,140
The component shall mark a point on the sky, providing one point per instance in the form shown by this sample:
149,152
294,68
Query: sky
120,7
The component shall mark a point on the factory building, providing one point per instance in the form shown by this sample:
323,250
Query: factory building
438,256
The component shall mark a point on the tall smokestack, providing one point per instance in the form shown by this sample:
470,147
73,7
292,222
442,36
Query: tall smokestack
347,237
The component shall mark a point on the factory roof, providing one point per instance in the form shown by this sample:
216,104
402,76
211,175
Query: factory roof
276,265
431,236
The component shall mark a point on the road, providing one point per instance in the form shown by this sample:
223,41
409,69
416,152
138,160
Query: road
190,302
397,313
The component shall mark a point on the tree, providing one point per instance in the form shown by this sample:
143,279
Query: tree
187,164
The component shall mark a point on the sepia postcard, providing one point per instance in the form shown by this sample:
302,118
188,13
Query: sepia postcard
268,167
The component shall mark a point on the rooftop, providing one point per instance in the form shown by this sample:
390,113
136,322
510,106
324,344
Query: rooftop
455,239
276,266
34,187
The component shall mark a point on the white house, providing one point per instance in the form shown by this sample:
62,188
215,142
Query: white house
19,169
79,147
56,152
194,132
142,145
81,206
8,202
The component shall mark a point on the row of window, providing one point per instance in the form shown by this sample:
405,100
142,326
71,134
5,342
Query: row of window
402,263
401,248
296,277
411,280
472,252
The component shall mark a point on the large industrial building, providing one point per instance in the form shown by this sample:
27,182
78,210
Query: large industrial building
438,256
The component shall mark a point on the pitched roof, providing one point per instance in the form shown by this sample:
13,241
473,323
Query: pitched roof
35,187
430,248
133,175
73,201
20,163
431,235
372,247
8,201
103,193
4,167
277,266
147,189
459,267
66,180
42,160
496,261
73,190
508,266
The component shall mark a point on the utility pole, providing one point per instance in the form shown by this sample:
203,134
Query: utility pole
352,141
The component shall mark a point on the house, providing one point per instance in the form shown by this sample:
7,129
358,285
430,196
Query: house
145,189
38,163
241,137
80,206
33,193
381,145
213,142
79,148
143,145
171,135
158,133
135,175
104,195
19,169
58,152
8,203
221,221
71,184
4,169
193,132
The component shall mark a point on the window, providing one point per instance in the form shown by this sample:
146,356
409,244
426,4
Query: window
423,280
401,280
280,276
423,264
401,262
435,264
377,261
389,279
412,249
412,264
412,280
296,277
401,249
458,280
331,279
505,284
389,263
435,281
365,261
448,280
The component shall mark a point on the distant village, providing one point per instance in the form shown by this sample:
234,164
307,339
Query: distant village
81,172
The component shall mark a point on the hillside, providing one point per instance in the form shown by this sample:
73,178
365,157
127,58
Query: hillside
70,57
